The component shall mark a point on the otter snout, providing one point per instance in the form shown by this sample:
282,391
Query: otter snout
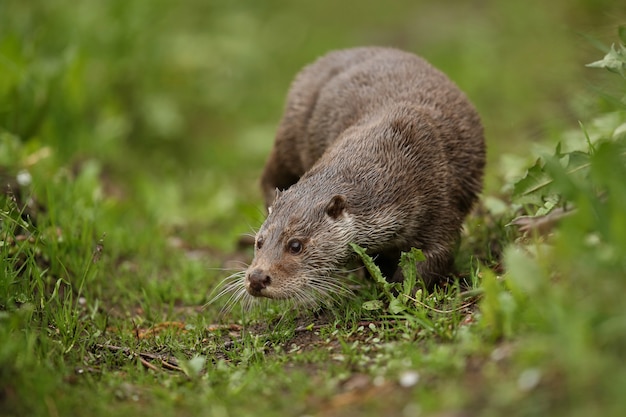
256,281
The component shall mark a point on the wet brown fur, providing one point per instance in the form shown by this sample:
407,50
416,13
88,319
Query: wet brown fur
376,147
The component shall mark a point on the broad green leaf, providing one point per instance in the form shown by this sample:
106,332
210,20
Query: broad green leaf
577,164
396,306
537,187
531,188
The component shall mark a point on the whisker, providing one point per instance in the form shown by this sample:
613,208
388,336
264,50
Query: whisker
253,230
240,296
248,302
241,265
326,288
355,269
231,283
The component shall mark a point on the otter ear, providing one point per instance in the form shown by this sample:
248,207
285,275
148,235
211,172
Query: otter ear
275,196
277,193
336,206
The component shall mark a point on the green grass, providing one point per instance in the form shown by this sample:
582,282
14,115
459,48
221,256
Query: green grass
132,135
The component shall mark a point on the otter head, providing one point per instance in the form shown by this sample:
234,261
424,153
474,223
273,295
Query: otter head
300,245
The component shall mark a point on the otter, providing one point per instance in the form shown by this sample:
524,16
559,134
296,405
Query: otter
378,148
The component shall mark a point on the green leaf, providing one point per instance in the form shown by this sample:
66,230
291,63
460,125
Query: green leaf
587,137
373,305
531,188
614,60
396,306
497,307
374,271
524,275
551,202
371,267
537,187
192,367
407,264
577,164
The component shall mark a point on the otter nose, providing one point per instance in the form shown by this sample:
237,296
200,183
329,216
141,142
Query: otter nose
258,280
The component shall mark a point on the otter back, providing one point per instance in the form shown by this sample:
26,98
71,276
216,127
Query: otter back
378,148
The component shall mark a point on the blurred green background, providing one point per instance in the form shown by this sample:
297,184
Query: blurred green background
199,85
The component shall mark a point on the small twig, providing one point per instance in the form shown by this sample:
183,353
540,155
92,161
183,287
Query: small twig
167,361
147,364
171,366
541,224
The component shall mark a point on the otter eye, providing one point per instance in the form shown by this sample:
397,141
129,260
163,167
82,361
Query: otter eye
259,243
295,246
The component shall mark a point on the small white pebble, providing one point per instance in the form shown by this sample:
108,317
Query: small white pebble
408,378
529,379
24,178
